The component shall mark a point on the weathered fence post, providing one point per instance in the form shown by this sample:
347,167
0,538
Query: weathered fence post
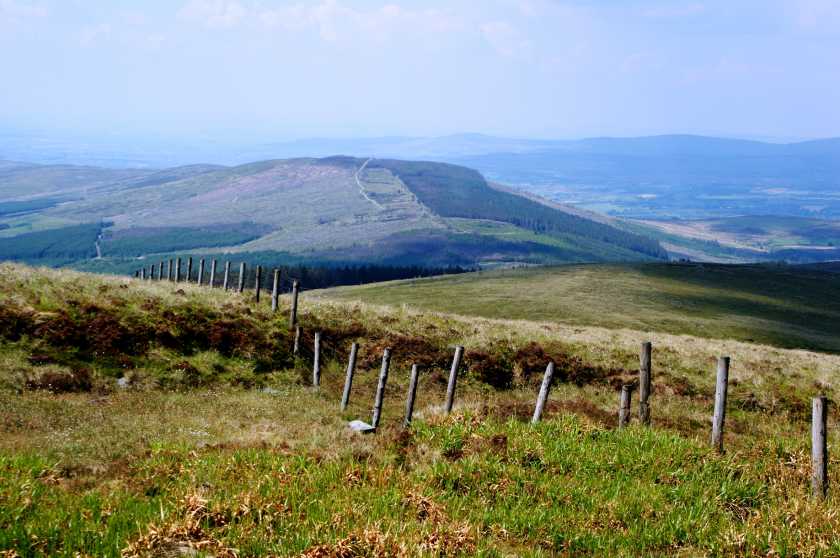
380,389
160,271
170,269
624,405
241,288
136,273
226,279
200,278
543,396
296,347
143,273
177,270
212,282
412,392
644,382
453,378
720,403
293,311
151,272
275,290
189,269
348,380
316,361
819,447
257,283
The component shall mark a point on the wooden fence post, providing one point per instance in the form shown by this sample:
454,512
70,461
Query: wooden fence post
543,396
212,282
293,310
316,361
152,269
200,278
189,269
170,269
241,287
296,347
644,382
226,278
143,273
453,378
819,447
177,270
380,389
412,392
257,283
624,405
719,417
348,380
136,273
160,271
275,290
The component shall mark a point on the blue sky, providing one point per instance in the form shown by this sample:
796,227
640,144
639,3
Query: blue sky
537,68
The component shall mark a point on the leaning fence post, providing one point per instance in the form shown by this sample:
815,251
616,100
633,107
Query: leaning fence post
212,282
177,270
226,278
200,278
543,396
644,382
624,405
293,310
720,403
241,287
348,380
819,448
380,389
296,347
189,269
412,392
316,361
257,283
275,290
453,378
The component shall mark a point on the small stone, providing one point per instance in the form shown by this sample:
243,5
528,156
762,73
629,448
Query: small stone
361,426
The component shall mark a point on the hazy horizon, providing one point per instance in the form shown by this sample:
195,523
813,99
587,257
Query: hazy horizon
227,70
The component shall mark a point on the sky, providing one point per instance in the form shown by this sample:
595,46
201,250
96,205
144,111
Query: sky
282,70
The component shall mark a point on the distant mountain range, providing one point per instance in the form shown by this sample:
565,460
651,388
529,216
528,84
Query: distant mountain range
340,209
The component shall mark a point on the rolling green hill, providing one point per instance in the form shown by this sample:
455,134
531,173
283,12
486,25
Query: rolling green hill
785,306
338,208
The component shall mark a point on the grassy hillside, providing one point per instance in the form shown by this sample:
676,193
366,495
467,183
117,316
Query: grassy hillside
387,212
216,445
783,306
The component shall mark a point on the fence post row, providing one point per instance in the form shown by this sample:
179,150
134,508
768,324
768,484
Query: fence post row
348,380
380,389
543,396
412,392
293,310
275,290
453,378
624,405
644,382
316,361
721,384
819,447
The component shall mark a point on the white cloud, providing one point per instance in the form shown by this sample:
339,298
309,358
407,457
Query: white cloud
214,14
505,38
16,11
